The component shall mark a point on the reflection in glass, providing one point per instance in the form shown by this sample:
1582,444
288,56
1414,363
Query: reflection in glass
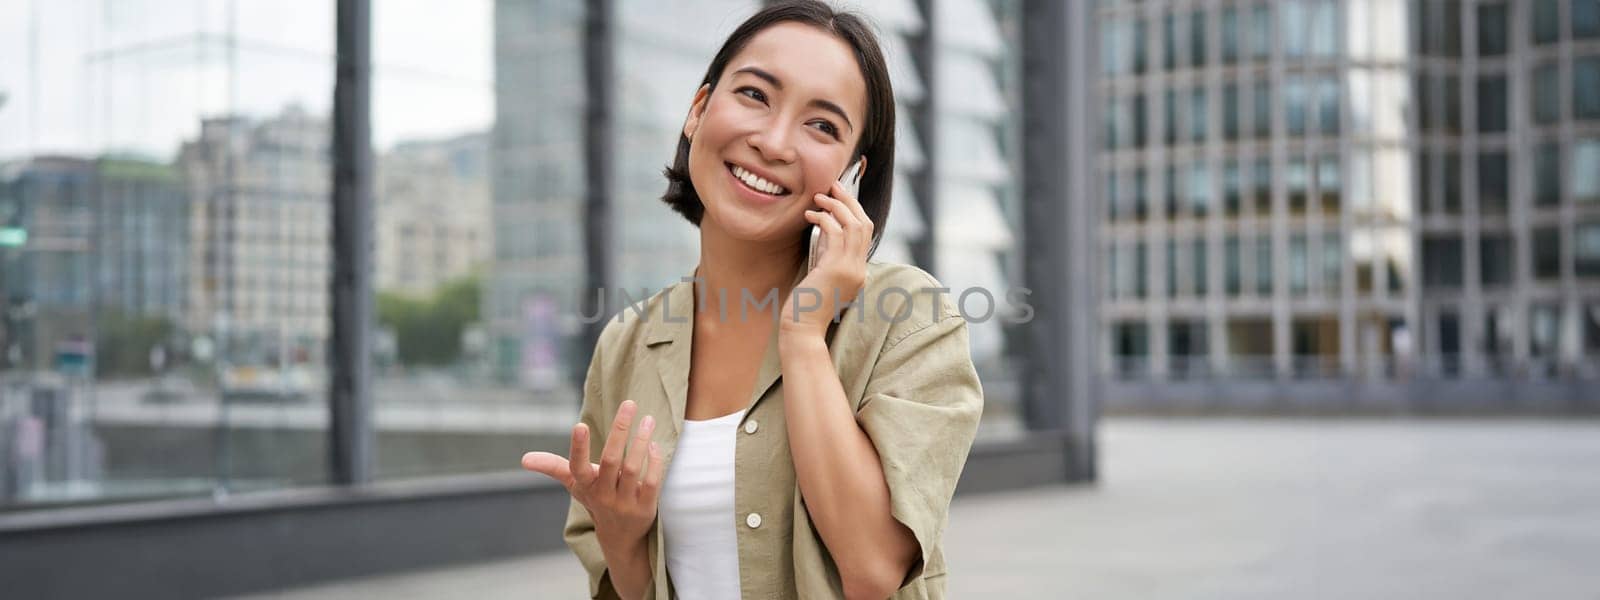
1197,115
1332,261
1230,34
1296,183
1197,255
1585,18
1292,25
1328,183
1328,105
1260,31
1230,111
1261,108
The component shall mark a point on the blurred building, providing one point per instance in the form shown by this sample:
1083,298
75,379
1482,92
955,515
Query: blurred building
1316,193
107,233
432,213
260,234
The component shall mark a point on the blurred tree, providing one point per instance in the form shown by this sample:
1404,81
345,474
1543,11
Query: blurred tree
428,330
124,343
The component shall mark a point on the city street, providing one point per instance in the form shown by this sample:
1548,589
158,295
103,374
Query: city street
1234,508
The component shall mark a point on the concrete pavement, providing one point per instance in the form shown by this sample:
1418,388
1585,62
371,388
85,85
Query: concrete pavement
1235,508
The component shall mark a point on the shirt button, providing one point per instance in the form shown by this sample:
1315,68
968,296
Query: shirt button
754,520
750,426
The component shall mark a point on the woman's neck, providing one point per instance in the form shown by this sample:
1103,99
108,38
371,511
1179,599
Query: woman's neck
734,265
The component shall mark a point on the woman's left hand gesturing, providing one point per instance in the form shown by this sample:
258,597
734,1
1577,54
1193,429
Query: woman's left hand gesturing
840,272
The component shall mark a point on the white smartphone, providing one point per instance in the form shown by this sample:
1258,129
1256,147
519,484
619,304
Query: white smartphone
852,182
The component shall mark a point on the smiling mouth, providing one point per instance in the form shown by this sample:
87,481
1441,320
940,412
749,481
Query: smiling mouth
755,183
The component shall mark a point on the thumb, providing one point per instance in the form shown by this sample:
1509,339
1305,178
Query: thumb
556,467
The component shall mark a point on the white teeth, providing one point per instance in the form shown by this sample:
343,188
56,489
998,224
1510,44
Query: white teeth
756,182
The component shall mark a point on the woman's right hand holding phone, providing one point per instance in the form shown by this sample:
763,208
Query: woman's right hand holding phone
620,493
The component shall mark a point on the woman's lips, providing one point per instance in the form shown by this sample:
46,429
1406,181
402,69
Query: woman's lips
751,194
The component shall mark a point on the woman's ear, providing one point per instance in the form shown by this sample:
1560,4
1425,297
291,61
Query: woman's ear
696,109
862,172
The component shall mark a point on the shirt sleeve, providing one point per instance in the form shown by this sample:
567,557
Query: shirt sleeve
921,408
579,532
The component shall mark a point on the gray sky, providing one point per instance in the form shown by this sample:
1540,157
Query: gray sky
67,93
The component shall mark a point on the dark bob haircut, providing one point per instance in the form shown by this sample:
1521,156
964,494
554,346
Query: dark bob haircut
877,138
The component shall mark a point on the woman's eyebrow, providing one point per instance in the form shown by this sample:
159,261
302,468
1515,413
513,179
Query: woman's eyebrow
819,103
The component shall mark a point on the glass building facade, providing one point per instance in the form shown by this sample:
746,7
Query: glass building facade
1335,191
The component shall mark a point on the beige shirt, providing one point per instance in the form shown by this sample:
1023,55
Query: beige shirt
910,380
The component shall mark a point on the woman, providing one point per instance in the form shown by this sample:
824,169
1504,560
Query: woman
836,482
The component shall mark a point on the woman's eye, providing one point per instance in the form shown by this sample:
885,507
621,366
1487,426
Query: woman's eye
754,93
828,128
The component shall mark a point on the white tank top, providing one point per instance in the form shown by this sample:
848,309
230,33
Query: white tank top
696,510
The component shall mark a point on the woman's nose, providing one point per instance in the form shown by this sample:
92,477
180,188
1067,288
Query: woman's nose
774,144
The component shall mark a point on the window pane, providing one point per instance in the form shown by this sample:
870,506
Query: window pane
1492,30
1494,260
1169,41
1292,24
1583,175
1136,110
1200,266
1546,94
1547,175
1586,87
1264,266
1492,103
1260,31
1546,21
1585,18
164,250
1263,187
1296,184
1328,105
1299,265
1172,268
1324,28
1261,107
1332,261
1197,39
1230,35
1441,262
1494,183
1170,105
1586,250
1452,103
1294,104
1230,111
1232,187
1232,268
1452,183
1546,253
1197,115
1199,189
1329,184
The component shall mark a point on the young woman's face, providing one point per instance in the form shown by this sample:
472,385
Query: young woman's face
778,129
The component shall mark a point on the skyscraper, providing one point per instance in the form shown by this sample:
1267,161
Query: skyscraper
1341,199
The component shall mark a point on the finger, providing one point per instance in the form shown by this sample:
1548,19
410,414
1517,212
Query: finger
828,223
838,209
616,442
635,464
549,464
850,200
578,460
650,488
